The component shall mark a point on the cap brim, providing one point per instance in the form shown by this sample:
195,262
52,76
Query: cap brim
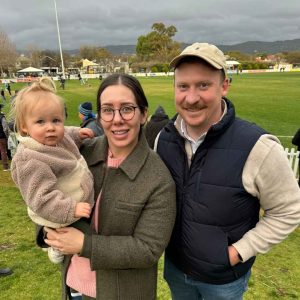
176,60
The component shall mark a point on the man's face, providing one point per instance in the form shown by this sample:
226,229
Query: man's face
198,93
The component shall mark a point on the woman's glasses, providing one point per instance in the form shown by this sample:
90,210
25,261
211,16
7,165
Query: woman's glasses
127,112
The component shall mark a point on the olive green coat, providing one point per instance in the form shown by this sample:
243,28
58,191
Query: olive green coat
137,213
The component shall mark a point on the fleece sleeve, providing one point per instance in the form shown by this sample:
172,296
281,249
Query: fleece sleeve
73,133
268,176
37,184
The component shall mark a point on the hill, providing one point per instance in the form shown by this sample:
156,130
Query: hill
264,47
250,47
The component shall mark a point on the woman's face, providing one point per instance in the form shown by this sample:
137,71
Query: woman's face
122,135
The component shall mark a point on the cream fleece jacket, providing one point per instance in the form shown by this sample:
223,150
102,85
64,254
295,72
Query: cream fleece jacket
52,179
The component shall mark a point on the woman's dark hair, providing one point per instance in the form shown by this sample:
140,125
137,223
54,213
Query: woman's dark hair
130,82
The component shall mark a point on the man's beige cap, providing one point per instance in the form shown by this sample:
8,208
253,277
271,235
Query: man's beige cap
210,53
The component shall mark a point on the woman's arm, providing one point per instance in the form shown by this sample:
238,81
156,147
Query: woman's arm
52,237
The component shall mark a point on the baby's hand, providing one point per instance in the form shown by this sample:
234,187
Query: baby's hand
82,210
85,133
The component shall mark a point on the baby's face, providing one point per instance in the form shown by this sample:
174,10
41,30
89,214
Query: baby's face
45,121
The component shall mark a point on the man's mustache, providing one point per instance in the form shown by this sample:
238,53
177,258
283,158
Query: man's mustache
195,106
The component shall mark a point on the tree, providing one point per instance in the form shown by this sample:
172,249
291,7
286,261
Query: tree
8,53
94,53
102,54
158,45
50,59
88,52
35,56
293,57
236,55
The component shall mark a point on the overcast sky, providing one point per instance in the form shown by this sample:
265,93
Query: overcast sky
120,22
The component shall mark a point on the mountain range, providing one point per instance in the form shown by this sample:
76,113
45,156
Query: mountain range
250,47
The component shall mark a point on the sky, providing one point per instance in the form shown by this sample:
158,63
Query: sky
120,22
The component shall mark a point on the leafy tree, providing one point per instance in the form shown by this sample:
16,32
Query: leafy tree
102,54
236,55
8,53
35,56
293,57
50,59
88,52
158,45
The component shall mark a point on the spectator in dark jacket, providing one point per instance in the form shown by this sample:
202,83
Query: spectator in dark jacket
157,121
3,140
3,95
89,119
296,142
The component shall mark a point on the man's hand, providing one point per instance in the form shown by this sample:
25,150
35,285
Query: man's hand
233,256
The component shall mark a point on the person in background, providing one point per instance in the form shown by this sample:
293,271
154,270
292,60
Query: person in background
134,213
80,79
3,95
157,121
225,170
62,82
8,88
88,118
3,140
13,97
296,142
52,176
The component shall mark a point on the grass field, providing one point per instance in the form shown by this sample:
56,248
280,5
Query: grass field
270,100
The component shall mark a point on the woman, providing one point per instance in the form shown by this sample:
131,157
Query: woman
135,204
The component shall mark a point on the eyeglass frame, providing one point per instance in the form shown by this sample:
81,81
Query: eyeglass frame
119,109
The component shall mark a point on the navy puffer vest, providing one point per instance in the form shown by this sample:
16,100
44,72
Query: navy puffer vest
213,208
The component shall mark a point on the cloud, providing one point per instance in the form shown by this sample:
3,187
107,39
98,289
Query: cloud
98,23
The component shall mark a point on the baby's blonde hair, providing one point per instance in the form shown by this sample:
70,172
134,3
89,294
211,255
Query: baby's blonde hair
21,104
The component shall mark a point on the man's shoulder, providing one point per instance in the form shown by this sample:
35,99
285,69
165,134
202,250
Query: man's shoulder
248,128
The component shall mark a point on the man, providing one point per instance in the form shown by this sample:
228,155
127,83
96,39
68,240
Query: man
225,170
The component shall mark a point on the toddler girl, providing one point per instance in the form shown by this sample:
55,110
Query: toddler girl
52,176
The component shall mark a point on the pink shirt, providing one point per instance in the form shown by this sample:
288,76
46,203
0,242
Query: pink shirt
80,276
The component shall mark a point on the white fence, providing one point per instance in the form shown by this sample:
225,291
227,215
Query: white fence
293,156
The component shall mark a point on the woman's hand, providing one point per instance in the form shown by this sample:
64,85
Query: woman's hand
68,240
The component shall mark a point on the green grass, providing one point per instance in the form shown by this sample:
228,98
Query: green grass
269,100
